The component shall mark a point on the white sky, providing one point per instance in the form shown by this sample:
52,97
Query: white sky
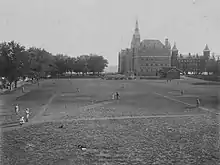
77,27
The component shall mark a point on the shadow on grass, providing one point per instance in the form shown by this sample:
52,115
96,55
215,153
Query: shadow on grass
206,83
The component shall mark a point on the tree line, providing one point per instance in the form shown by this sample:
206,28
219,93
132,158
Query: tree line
18,62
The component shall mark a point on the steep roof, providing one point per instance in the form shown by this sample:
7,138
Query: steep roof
174,68
174,47
170,69
152,43
206,48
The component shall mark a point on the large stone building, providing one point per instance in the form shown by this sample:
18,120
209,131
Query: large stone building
218,65
189,62
144,58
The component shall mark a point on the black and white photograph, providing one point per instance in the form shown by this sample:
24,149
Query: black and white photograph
110,82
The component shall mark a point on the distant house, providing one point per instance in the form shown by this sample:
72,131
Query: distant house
170,73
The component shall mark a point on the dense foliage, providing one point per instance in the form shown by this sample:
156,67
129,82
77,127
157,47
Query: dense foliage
18,62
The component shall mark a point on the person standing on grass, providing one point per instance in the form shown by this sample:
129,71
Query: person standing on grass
27,112
197,102
113,96
22,89
181,92
117,95
16,109
77,90
22,120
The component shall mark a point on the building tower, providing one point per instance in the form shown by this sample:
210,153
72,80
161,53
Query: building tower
206,52
135,43
136,39
174,56
167,43
119,62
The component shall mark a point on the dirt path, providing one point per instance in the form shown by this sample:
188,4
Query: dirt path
38,117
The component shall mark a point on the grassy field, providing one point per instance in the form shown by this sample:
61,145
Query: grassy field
150,124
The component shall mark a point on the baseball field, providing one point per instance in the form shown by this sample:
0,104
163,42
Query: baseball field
151,123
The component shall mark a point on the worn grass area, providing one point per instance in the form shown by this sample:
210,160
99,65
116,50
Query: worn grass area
33,99
130,141
122,141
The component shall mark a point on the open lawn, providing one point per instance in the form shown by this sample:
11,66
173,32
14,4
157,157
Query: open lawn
150,124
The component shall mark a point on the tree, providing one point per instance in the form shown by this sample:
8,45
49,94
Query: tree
70,63
81,64
14,59
60,62
41,62
211,66
97,64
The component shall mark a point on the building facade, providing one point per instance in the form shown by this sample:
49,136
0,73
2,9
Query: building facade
218,65
144,58
189,62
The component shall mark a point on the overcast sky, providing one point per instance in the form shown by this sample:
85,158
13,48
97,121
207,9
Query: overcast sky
77,27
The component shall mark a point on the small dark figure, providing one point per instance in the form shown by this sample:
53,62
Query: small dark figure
197,102
77,90
117,95
181,92
61,126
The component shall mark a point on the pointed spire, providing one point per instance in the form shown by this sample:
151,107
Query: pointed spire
174,47
136,25
206,48
136,37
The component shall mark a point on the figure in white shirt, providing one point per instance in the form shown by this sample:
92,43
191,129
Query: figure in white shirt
27,112
16,109
22,120
113,96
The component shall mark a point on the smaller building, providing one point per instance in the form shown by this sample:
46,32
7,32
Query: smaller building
170,73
